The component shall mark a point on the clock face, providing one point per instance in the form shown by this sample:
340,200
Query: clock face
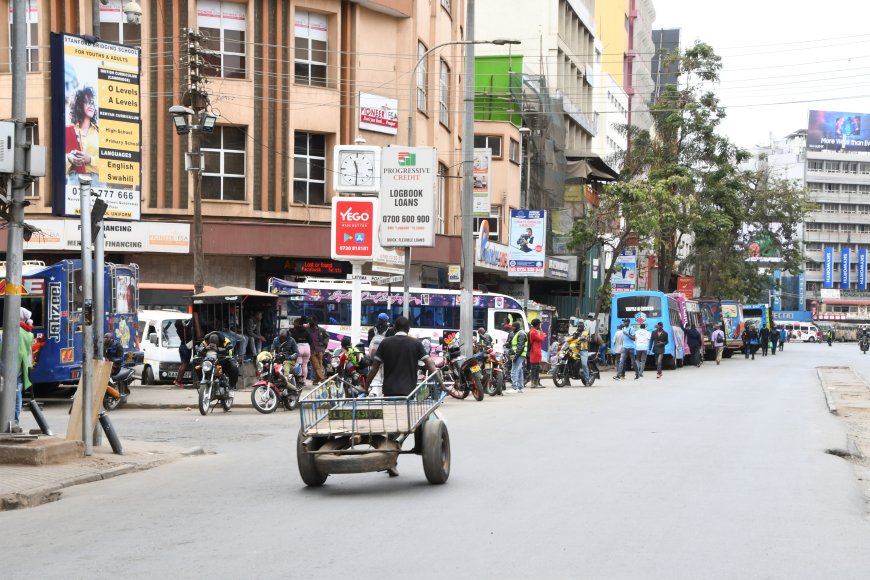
357,168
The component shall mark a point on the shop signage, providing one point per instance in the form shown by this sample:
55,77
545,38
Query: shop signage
482,181
122,237
353,228
624,277
686,286
407,197
489,254
528,231
96,120
558,269
829,293
377,113
454,274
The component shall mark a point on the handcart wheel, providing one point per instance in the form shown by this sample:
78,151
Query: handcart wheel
436,451
307,468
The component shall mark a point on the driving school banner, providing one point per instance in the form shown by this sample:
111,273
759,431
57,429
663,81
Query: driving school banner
527,247
96,125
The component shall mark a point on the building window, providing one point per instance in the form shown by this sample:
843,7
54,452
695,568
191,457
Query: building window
815,165
31,41
421,78
494,220
311,33
223,175
442,196
444,95
114,26
31,132
514,151
813,227
309,173
222,25
491,142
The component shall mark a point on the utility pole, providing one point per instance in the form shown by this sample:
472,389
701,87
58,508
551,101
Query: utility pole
99,244
15,240
466,312
198,102
87,384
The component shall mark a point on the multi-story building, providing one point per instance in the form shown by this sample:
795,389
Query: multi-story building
838,180
287,80
666,42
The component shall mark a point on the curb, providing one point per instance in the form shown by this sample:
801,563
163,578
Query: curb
829,399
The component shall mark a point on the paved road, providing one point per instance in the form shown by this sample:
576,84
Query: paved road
718,472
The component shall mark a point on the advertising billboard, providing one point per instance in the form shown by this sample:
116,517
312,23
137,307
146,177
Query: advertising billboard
527,243
407,197
838,131
482,181
844,268
828,269
353,228
624,277
862,269
96,125
379,114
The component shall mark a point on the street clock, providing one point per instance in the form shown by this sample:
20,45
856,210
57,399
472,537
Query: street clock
356,168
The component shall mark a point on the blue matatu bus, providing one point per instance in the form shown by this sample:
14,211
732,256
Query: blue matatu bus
53,296
650,307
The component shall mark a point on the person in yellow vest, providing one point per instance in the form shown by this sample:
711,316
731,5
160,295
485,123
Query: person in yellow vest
519,350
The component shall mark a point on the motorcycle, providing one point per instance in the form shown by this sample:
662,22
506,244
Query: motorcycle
276,374
214,384
493,371
864,343
569,366
119,385
464,373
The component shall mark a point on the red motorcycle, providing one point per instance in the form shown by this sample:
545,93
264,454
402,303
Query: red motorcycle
493,370
276,383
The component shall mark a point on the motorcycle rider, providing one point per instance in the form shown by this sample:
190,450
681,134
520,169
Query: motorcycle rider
518,350
113,351
579,342
381,327
224,348
483,337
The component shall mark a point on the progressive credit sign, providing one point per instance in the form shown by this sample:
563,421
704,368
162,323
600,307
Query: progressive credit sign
407,197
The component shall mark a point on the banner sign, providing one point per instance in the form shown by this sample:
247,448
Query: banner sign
844,268
776,291
122,237
379,114
686,286
353,228
837,131
96,125
528,232
490,254
862,269
482,181
407,197
828,268
624,277
802,291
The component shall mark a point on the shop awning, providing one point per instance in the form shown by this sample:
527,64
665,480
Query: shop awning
590,167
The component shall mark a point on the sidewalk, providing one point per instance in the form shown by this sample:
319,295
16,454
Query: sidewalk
23,486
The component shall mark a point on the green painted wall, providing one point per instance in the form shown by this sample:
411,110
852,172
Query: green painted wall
498,88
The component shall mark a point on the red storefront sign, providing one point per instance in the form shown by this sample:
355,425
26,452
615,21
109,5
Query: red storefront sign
353,228
686,286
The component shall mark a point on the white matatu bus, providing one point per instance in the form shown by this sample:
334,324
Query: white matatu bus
434,313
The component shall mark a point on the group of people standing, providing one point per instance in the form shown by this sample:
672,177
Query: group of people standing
765,340
634,345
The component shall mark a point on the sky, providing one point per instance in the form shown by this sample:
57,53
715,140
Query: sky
777,52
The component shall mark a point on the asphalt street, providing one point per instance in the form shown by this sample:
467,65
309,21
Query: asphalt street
717,472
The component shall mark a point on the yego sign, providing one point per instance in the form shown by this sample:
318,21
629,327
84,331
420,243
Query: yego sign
353,228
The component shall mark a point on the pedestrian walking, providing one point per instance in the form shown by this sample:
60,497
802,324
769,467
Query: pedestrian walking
299,332
627,356
659,342
764,338
519,349
718,340
536,355
25,363
696,344
184,329
642,339
783,338
750,341
774,340
618,339
319,344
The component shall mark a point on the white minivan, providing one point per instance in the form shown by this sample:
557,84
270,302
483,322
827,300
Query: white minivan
159,341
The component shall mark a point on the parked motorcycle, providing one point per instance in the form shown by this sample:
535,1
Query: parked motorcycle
570,366
464,373
214,384
276,382
119,386
493,371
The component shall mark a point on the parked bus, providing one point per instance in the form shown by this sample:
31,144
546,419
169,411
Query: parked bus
758,315
711,314
650,307
434,313
690,313
732,317
53,296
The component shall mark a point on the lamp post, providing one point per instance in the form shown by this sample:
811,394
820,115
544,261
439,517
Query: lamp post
181,117
466,318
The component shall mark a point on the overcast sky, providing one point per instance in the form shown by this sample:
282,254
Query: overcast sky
776,52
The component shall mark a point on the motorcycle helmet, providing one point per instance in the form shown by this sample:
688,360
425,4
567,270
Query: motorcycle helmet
264,359
383,317
213,339
345,342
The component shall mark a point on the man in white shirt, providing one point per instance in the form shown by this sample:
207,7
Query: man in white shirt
718,340
642,339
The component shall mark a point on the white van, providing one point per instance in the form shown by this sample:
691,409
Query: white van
159,341
801,331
